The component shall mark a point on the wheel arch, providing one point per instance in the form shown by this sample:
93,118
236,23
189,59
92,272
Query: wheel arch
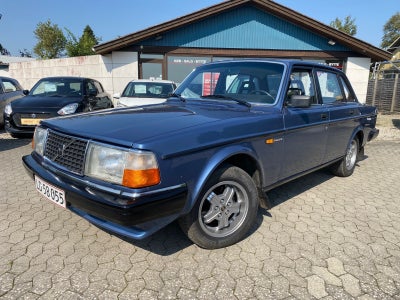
239,156
358,133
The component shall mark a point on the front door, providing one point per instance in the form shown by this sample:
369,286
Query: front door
305,128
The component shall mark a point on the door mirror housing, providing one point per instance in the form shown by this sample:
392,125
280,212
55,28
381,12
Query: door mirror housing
92,93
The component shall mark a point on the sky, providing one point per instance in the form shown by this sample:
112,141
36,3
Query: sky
112,19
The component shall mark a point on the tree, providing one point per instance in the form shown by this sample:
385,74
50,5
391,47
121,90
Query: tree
391,30
347,26
72,45
51,41
87,41
85,44
4,51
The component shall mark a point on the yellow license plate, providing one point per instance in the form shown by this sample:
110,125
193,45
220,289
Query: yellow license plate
30,121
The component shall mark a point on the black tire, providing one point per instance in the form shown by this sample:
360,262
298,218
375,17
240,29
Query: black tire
225,210
346,166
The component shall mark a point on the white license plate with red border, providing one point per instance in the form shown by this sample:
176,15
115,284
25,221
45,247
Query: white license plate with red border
51,192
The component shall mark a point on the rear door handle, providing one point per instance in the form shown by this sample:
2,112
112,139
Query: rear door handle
324,116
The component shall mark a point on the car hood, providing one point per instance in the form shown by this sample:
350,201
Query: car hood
134,101
164,126
29,103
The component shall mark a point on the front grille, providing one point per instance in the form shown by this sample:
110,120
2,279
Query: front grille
66,151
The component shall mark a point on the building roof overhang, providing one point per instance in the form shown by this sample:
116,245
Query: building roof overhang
357,45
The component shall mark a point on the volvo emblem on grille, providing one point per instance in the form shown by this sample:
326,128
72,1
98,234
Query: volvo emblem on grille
33,116
61,150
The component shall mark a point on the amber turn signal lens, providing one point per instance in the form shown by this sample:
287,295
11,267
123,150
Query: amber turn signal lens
141,178
269,141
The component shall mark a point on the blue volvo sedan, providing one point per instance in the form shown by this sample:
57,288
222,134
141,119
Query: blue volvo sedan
232,131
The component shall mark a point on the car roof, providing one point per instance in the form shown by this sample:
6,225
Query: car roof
66,77
5,77
287,62
153,80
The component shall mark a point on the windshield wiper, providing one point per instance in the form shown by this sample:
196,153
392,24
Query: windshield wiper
220,96
177,96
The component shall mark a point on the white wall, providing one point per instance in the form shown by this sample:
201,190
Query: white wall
357,70
4,73
114,71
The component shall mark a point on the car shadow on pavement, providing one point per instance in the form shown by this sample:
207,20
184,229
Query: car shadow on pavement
9,143
294,188
165,242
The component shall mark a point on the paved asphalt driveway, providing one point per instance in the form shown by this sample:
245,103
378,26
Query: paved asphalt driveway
325,238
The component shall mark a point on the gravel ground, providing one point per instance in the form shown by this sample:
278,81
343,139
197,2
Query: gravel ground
389,126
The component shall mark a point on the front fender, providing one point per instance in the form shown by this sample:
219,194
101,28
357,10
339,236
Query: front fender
215,161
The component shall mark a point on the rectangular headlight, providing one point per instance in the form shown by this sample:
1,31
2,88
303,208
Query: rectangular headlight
39,140
134,169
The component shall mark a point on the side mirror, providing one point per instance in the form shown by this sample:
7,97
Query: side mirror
92,93
25,92
299,101
117,95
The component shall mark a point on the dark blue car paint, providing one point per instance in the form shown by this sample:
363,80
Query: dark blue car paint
192,139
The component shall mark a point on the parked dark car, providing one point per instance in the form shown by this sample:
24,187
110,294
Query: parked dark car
10,90
52,97
232,131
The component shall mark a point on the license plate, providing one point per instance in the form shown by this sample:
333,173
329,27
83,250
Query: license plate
52,193
30,121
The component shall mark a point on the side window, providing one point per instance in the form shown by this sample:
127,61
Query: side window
329,86
9,86
99,86
347,92
301,83
91,88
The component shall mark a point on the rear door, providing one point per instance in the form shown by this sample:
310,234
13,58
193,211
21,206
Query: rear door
339,99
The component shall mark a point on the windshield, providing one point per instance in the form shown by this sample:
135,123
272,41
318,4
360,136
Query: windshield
148,90
58,87
250,81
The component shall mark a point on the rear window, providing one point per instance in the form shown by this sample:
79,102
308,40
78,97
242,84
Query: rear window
148,90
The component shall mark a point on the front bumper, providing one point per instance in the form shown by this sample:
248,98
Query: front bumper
17,130
134,215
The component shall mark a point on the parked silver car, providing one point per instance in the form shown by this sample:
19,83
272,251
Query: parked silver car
10,89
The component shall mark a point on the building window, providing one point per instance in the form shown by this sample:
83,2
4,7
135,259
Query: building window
181,66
